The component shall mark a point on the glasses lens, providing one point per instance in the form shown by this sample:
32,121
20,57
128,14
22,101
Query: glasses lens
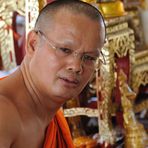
88,61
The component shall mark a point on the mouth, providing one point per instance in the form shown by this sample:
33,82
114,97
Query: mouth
70,82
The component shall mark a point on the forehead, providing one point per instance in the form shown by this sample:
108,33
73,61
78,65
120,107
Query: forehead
76,20
76,27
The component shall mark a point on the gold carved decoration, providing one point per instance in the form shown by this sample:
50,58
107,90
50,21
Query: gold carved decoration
135,135
32,11
108,8
140,70
120,41
78,111
104,87
81,111
141,106
42,3
6,34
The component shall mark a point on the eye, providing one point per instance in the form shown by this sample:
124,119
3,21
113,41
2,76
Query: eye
89,58
65,50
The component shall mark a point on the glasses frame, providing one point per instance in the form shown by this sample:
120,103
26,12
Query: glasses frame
98,60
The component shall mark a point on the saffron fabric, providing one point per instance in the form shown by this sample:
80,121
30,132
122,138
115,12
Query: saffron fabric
58,134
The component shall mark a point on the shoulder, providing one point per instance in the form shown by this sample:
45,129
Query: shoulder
8,110
9,122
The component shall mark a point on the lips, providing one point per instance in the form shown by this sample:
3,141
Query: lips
70,81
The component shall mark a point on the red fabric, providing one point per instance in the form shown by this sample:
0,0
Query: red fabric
49,1
58,134
119,119
124,64
19,49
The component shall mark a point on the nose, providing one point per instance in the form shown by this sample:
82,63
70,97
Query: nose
75,63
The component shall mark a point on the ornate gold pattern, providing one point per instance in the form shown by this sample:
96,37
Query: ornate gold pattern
141,106
78,111
32,11
6,34
140,70
135,135
117,20
116,28
120,41
42,3
108,8
105,85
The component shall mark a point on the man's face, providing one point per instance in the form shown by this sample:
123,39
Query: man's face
64,77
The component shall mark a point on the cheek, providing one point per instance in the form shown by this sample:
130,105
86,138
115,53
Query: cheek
46,61
44,67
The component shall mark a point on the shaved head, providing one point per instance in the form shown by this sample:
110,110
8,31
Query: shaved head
48,13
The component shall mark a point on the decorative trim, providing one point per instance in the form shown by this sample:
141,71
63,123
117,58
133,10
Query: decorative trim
6,33
141,106
140,70
78,111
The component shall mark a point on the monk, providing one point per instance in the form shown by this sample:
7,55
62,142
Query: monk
61,55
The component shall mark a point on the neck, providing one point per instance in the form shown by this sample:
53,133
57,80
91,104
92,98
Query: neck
43,106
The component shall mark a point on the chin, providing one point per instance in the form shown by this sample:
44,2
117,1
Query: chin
64,93
66,96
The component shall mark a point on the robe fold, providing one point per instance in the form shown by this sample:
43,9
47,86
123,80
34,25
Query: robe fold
58,134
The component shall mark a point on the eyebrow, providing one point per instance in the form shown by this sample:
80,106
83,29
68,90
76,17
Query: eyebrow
68,44
92,52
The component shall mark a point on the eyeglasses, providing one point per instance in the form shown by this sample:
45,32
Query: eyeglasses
87,60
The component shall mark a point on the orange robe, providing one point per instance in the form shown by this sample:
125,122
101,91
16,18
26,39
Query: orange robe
58,134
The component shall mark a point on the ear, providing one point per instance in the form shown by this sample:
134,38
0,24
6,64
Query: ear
31,44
